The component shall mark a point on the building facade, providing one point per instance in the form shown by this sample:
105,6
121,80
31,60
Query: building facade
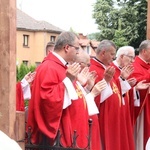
32,37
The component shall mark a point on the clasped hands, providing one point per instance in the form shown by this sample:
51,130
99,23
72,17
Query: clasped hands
86,78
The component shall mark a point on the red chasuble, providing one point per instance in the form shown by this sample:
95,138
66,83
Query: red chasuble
95,139
46,114
142,72
79,119
126,127
110,111
19,97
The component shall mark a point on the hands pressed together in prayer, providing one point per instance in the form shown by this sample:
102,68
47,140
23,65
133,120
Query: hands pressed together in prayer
126,71
91,80
98,87
83,76
30,76
72,71
88,79
109,73
142,85
132,81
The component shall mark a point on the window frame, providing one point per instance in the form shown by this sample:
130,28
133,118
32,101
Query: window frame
25,40
52,38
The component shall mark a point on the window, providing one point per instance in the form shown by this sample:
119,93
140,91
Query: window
52,38
37,63
25,62
26,40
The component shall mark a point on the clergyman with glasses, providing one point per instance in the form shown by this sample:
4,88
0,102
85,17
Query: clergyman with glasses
52,92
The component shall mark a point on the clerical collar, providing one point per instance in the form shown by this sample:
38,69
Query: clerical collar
99,62
60,58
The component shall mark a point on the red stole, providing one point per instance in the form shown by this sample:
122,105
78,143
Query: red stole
126,127
79,117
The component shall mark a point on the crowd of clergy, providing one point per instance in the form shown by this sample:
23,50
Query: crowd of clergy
111,88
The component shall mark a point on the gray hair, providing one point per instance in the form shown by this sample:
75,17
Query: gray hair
144,45
63,39
83,56
105,45
124,50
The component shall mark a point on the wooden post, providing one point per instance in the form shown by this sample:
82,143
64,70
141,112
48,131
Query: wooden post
8,67
20,128
148,19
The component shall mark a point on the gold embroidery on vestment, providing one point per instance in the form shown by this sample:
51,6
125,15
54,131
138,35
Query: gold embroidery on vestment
116,91
80,94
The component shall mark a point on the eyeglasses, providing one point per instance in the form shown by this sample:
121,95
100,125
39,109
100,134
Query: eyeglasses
77,48
131,57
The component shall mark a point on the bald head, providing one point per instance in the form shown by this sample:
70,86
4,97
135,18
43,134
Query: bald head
83,58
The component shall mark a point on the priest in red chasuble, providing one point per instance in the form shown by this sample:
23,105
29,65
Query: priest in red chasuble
142,110
52,92
109,104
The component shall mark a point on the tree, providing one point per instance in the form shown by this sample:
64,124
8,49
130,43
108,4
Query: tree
124,22
141,21
103,18
120,40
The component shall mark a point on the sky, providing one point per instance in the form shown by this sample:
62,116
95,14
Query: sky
65,14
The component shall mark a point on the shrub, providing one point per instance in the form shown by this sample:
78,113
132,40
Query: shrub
23,69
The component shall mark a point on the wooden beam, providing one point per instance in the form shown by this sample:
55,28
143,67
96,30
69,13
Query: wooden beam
148,19
8,67
20,128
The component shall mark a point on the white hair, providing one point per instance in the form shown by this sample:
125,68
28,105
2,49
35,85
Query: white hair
124,50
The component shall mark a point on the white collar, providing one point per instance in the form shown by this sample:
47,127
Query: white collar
116,64
60,58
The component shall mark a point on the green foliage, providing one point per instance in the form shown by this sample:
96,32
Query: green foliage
22,70
32,68
123,21
93,36
26,103
120,40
